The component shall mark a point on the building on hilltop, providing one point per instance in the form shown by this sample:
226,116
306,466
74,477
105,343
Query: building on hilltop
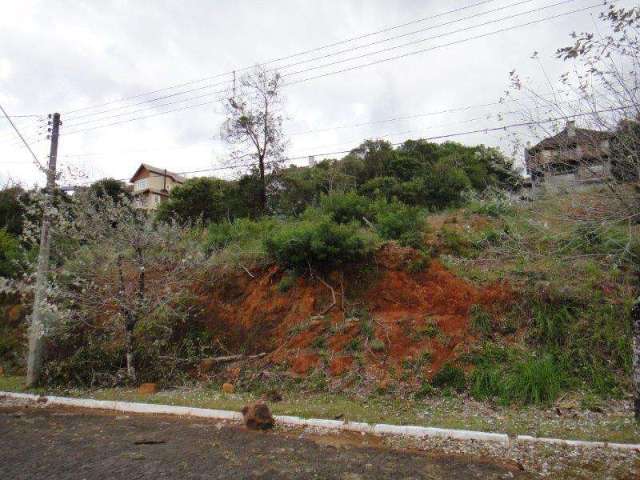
570,159
151,185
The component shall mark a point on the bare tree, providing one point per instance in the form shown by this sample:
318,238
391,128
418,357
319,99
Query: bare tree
254,123
597,101
125,267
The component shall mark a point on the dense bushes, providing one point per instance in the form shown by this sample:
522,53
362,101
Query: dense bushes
344,227
11,255
206,199
418,173
241,231
319,243
345,207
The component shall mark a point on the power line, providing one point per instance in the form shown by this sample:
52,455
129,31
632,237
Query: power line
26,116
305,52
457,42
433,37
35,158
149,106
340,127
310,60
430,138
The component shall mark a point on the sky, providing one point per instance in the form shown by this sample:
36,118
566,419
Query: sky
86,59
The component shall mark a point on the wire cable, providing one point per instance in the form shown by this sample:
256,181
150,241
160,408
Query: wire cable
405,55
504,127
298,54
310,60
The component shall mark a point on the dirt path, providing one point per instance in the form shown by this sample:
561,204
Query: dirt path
60,443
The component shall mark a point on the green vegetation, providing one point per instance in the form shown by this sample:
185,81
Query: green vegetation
11,255
480,320
449,376
319,243
286,282
561,324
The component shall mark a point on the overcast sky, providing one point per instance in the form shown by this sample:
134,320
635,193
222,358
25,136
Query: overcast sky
66,55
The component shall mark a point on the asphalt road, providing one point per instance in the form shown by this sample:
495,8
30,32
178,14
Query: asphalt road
55,443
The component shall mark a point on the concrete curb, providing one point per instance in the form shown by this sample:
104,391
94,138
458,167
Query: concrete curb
376,429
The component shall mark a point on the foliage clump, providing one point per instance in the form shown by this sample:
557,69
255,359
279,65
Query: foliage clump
319,243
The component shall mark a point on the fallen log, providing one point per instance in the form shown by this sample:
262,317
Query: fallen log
233,358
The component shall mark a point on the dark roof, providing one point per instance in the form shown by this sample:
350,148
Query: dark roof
582,136
159,171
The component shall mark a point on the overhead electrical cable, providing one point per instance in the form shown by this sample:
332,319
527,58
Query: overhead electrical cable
430,138
310,60
149,104
298,54
456,42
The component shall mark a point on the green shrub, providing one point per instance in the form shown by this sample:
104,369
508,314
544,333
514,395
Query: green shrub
445,184
344,207
419,264
354,345
426,390
449,376
11,255
480,320
380,187
319,343
454,243
204,198
486,382
366,328
319,243
396,221
220,235
377,345
535,380
494,204
430,329
286,282
506,375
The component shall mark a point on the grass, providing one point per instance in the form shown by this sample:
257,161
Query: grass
451,412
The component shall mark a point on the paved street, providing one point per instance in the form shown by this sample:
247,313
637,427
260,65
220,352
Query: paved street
55,443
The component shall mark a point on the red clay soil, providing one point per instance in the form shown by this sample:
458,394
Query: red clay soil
419,319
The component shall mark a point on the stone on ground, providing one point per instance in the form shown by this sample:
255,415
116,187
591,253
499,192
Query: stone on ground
228,388
257,416
148,388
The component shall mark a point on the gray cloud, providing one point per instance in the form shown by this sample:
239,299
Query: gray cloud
70,54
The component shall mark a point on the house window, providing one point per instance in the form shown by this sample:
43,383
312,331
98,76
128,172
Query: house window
142,184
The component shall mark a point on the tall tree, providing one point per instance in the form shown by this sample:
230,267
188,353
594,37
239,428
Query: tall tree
254,123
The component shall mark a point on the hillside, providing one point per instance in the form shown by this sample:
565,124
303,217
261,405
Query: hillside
516,302
504,293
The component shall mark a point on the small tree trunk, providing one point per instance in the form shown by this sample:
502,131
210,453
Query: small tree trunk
635,332
128,344
263,187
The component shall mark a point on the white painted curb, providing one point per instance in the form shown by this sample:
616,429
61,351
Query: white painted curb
577,443
378,429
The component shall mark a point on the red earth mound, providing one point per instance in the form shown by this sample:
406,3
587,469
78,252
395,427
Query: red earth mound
387,322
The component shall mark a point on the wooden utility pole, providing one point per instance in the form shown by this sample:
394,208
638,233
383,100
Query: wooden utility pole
38,317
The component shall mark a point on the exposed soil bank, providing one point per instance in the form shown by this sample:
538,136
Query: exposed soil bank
401,314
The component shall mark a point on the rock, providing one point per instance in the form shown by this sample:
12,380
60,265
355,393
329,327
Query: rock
148,388
228,388
257,416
